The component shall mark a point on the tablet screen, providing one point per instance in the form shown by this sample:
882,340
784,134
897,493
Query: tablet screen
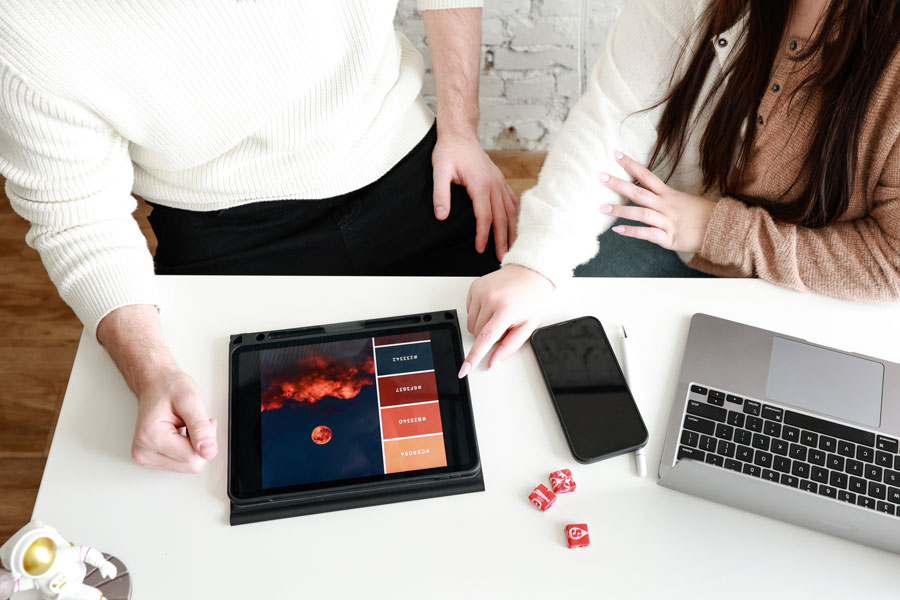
347,409
315,410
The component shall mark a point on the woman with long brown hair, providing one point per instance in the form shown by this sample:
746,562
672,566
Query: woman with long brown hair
770,132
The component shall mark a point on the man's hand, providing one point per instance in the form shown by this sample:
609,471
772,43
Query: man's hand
173,401
461,160
168,399
504,306
454,38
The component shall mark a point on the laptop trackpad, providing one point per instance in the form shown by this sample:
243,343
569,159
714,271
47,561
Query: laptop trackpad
825,381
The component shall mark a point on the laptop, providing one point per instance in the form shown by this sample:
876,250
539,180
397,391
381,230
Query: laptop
791,430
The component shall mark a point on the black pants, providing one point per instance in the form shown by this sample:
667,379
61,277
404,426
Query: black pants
385,228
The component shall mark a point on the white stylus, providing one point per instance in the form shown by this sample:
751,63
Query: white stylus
640,461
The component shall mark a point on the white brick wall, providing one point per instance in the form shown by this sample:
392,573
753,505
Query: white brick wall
529,65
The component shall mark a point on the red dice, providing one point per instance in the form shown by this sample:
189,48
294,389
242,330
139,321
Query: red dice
577,535
562,481
542,497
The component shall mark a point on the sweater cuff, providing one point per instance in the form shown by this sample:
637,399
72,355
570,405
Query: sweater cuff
725,241
444,4
115,284
535,255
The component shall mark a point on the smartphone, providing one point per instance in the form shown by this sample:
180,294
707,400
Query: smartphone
595,407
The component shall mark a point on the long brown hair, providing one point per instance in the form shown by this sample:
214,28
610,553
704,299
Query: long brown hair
856,39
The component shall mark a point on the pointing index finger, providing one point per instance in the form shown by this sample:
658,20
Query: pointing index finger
644,175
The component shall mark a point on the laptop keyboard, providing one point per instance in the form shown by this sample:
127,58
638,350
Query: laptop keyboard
791,448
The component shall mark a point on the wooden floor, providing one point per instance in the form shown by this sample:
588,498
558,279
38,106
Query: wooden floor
38,338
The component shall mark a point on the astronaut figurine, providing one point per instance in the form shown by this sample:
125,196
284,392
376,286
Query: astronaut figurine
39,558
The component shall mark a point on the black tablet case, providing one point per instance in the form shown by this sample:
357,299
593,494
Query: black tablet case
268,510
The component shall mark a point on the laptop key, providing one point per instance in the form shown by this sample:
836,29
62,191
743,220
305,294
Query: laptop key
858,485
752,470
732,464
800,469
726,449
705,410
790,480
797,452
734,399
751,407
847,496
865,502
883,459
791,434
770,412
865,454
817,457
854,467
779,447
809,486
838,480
835,462
715,459
700,425
782,464
828,444
770,475
873,472
885,508
763,459
887,444
893,494
772,428
829,491
760,441
707,443
846,448
897,463
699,389
808,438
892,477
877,490
744,453
717,394
735,418
688,452
754,424
829,428
724,431
820,474
742,436
690,438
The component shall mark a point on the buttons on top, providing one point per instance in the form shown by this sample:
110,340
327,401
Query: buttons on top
794,45
761,120
722,42
776,88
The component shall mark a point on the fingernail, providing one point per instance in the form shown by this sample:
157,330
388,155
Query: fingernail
464,370
206,444
619,229
604,177
619,155
606,208
440,212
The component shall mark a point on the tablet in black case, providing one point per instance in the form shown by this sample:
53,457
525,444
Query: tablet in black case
347,415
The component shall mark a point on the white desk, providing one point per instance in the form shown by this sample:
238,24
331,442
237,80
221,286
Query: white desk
646,541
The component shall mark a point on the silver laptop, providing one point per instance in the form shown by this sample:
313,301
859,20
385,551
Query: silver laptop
775,425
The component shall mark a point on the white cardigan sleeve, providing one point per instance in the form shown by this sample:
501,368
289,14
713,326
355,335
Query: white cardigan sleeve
443,4
70,175
560,219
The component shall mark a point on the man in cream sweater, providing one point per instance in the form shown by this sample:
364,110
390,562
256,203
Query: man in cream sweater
235,120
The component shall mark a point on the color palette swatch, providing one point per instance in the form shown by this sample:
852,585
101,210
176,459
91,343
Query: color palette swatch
409,411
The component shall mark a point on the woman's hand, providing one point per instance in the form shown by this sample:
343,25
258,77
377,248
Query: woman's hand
676,220
504,306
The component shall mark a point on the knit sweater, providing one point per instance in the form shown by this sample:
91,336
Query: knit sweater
195,105
857,257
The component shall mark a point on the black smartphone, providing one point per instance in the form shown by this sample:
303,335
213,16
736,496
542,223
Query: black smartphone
595,407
